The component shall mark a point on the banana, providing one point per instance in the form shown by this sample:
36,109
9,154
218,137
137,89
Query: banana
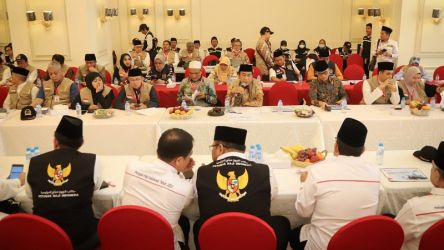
290,151
296,148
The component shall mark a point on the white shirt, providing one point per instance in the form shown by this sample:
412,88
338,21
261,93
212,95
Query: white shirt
149,42
392,47
32,76
418,214
6,75
160,187
370,96
34,92
146,61
336,192
9,188
272,72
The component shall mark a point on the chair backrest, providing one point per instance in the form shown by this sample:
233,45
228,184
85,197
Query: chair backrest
257,72
134,227
74,70
353,72
250,53
432,237
338,60
41,74
283,91
355,96
368,233
3,94
375,71
28,231
439,71
209,59
107,77
202,71
355,59
398,69
241,231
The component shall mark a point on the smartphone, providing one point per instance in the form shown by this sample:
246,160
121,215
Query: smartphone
16,170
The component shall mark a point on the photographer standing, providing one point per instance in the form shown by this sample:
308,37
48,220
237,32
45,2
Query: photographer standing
386,49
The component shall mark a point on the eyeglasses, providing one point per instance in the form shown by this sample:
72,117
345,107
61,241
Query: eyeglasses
213,145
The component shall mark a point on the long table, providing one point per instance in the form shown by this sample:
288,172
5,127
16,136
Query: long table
393,194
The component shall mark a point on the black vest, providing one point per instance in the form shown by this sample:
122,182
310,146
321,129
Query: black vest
233,184
62,184
215,51
289,71
165,74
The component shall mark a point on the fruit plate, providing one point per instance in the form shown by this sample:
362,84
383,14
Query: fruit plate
103,113
419,112
180,117
303,164
304,113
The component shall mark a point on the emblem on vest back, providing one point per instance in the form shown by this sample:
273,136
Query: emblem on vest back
232,185
58,174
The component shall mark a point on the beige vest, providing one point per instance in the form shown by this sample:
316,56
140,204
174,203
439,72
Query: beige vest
2,69
137,62
86,95
144,93
419,88
63,91
169,57
22,99
83,71
374,83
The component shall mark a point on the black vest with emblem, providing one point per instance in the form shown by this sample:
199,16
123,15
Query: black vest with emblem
62,184
233,184
289,71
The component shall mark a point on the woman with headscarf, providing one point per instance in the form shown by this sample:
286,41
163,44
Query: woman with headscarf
301,54
412,85
223,72
96,95
322,45
160,73
125,66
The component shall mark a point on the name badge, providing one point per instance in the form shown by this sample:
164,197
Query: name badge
56,98
47,89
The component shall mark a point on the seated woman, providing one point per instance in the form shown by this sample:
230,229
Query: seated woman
125,66
413,86
245,91
223,72
160,73
96,95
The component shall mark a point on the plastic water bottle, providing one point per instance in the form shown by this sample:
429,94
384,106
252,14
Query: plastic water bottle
116,81
441,104
402,102
259,153
433,102
28,155
258,78
78,110
38,110
127,107
227,104
184,104
344,104
380,154
36,151
280,106
252,153
364,77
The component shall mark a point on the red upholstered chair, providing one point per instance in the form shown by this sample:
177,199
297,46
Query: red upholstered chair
439,71
28,231
355,96
338,60
134,227
236,231
333,51
368,233
74,70
209,59
432,238
355,59
107,77
283,91
257,72
375,71
3,95
250,53
202,71
41,74
398,69
353,72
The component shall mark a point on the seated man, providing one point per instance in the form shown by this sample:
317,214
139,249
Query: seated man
141,184
174,47
139,57
5,72
96,95
9,188
66,70
419,213
214,50
344,51
201,51
21,93
334,193
245,90
195,89
237,55
414,62
89,66
325,90
230,49
223,72
256,184
160,73
22,62
283,69
284,50
139,94
62,182
58,89
188,54
324,55
171,56
381,89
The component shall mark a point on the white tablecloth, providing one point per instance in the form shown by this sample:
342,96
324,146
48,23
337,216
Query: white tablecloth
121,134
271,129
397,129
